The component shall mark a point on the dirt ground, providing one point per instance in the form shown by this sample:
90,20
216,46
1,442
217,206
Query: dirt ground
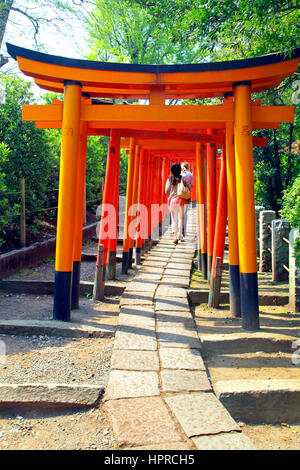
49,359
42,358
257,365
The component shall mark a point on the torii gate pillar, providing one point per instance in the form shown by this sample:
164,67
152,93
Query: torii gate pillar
246,205
66,201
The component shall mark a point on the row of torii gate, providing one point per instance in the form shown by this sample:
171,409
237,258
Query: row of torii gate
157,135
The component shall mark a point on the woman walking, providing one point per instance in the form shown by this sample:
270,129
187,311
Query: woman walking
176,200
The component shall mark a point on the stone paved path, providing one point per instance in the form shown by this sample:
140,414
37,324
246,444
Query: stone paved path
158,394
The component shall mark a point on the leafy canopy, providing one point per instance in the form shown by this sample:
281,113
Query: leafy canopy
231,28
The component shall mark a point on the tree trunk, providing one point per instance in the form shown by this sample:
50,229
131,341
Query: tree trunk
5,7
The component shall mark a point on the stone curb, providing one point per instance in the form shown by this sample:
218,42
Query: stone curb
54,328
50,394
262,398
30,256
39,287
201,297
243,343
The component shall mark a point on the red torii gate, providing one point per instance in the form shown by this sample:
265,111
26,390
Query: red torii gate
81,80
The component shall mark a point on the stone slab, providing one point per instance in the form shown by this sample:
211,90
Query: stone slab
184,381
180,264
261,397
56,328
134,360
147,277
154,261
130,298
177,272
47,394
142,421
175,319
165,291
201,414
129,384
175,281
244,343
141,286
170,304
134,320
135,338
155,270
139,316
228,441
169,337
180,358
164,446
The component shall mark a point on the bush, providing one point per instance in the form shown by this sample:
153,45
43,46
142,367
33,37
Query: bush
291,211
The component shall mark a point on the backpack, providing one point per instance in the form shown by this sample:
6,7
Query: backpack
183,191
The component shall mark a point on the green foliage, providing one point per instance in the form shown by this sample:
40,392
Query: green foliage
291,211
95,168
230,28
4,208
122,31
291,204
33,152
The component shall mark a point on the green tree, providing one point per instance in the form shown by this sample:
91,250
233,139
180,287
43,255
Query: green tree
122,31
55,15
33,154
230,28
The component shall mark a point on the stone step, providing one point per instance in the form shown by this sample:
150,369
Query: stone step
261,401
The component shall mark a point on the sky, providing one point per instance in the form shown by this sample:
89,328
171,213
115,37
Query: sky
19,32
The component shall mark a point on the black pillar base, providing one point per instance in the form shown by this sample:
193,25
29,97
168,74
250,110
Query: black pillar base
138,256
199,260
111,266
204,265
234,291
130,255
125,262
249,301
75,285
62,295
209,266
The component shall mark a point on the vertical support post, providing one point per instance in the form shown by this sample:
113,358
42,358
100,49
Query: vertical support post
140,212
246,205
234,265
258,209
79,211
150,199
66,201
108,215
164,196
145,243
159,198
114,177
130,175
133,208
214,295
211,200
200,166
280,249
23,214
265,240
98,289
294,274
220,235
198,222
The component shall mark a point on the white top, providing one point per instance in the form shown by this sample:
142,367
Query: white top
189,177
